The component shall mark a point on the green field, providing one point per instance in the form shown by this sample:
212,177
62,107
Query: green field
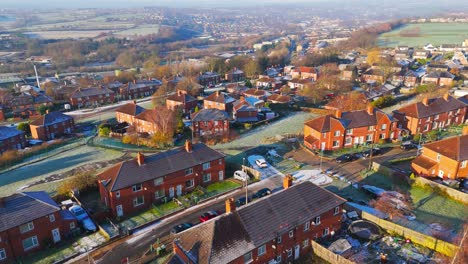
434,33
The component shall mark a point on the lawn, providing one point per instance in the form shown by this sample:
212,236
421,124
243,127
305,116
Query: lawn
220,187
152,214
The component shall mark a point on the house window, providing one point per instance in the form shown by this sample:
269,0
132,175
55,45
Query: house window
279,240
324,135
190,183
438,157
436,117
278,259
29,243
137,187
305,243
158,181
205,123
306,226
336,211
262,250
426,127
428,119
326,231
206,166
248,257
220,162
159,194
463,164
369,138
291,234
207,177
52,218
336,143
188,171
348,141
337,133
384,126
289,251
27,227
138,201
215,123
317,220
117,194
382,136
371,128
72,225
2,254
349,131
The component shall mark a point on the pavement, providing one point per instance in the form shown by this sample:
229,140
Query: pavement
269,171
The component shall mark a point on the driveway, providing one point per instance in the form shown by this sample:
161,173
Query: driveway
265,173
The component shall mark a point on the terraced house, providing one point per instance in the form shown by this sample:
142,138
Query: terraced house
127,113
447,159
347,129
136,184
278,228
11,138
138,89
431,114
91,97
51,126
31,221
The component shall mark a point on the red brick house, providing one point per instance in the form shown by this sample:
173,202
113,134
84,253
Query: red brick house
447,159
29,222
278,228
146,121
305,73
347,129
373,75
127,113
181,100
430,114
257,93
210,123
138,89
220,101
91,97
51,126
279,99
268,82
235,75
11,138
209,79
25,105
136,184
243,112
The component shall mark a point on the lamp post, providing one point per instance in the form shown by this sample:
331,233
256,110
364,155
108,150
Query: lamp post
371,150
246,183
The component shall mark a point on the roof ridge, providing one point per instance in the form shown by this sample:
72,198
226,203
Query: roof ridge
118,174
25,193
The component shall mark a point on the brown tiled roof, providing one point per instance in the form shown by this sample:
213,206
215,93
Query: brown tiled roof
257,92
78,93
221,98
310,139
455,148
211,114
148,115
279,98
130,109
436,106
305,69
362,118
181,97
424,162
321,124
50,119
230,236
129,173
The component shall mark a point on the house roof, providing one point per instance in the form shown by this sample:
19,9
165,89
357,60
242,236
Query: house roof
148,115
221,98
51,119
305,69
21,208
424,162
279,98
9,132
455,148
130,109
436,106
255,92
210,115
128,173
181,97
78,93
253,101
230,236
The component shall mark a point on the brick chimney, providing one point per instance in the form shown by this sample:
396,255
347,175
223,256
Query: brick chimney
425,101
140,159
217,93
446,97
338,113
370,109
179,93
287,181
465,131
242,98
134,102
230,205
188,146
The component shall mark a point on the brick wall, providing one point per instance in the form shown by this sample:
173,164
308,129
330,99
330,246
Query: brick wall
208,128
15,142
50,132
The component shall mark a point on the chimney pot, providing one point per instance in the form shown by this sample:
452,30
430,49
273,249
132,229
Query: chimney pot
465,131
370,109
230,205
446,97
140,159
338,113
134,102
188,146
425,101
287,181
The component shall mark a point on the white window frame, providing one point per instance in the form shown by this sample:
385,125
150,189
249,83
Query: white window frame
305,243
369,138
350,141
208,179
156,194
158,181
278,258
438,157
261,250
289,252
206,165
336,210
291,234
384,126
279,239
52,218
337,133
135,189
135,201
117,194
189,171
72,225
371,128
382,136
317,220
349,131
463,164
2,254
326,232
35,243
337,143
29,226
247,255
307,226
192,181
220,162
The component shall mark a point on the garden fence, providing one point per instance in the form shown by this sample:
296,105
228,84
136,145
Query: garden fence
328,255
452,193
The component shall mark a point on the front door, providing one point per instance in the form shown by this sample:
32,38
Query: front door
56,235
119,209
296,251
441,173
322,147
171,192
179,190
221,176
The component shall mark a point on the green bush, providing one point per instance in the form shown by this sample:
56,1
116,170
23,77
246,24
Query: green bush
247,126
104,131
384,101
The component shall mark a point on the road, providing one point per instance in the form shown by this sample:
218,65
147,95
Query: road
135,245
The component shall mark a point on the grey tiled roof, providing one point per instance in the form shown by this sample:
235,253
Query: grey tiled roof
51,118
209,115
21,208
79,93
128,173
8,132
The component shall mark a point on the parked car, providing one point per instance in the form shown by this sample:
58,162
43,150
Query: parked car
261,193
83,218
208,215
261,163
375,151
181,227
242,201
346,158
241,175
407,145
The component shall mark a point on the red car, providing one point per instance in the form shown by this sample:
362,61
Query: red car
208,215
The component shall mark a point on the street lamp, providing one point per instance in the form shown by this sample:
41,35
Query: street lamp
371,150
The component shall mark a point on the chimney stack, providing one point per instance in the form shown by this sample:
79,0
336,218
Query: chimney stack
188,146
134,102
179,93
425,101
370,109
465,131
230,205
446,97
140,159
242,98
338,113
217,93
287,181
